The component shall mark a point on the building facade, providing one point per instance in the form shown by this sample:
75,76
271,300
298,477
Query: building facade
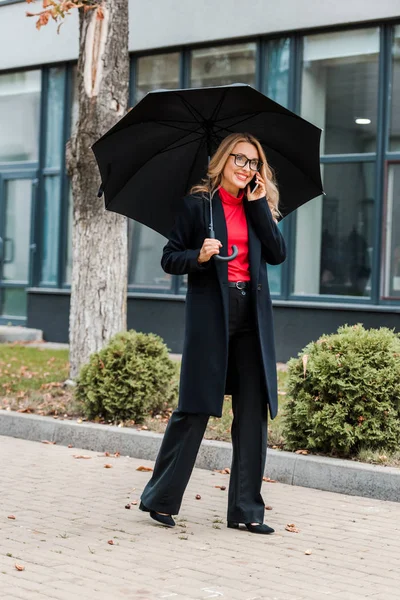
336,64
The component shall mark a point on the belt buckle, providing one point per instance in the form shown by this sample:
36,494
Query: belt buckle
241,285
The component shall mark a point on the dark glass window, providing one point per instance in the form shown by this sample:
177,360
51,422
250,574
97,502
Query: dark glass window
395,109
223,65
391,237
20,116
340,89
334,236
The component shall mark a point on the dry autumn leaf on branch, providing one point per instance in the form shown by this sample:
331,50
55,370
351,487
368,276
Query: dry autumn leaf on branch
59,9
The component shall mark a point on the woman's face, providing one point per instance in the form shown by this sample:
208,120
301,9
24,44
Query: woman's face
236,178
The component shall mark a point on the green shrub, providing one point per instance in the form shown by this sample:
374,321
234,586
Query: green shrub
344,393
128,379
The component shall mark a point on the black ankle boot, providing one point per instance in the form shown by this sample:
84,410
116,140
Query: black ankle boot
165,520
259,528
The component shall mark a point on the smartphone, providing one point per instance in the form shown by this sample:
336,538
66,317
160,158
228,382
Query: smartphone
253,185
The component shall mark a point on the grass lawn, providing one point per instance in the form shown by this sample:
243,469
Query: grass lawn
31,380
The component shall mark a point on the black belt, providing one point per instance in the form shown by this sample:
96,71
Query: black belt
240,285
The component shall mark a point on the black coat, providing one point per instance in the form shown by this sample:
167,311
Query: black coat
204,373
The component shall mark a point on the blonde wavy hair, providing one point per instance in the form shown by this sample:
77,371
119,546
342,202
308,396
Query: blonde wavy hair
217,164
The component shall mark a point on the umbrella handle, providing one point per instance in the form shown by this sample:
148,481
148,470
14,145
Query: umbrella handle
234,254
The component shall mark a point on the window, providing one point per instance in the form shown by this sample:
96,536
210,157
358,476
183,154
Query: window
160,71
20,116
276,87
395,109
223,65
340,89
145,250
53,160
334,236
391,235
145,245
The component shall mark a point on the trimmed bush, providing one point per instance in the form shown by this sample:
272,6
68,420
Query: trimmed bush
130,378
344,393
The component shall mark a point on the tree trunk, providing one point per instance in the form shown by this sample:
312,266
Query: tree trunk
99,238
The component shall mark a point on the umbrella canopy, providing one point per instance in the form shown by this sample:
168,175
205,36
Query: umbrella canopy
149,160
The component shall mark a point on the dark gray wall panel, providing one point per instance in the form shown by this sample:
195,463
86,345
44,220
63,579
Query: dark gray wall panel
295,326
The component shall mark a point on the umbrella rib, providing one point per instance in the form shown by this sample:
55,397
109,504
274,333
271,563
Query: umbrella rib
171,147
175,126
218,107
192,110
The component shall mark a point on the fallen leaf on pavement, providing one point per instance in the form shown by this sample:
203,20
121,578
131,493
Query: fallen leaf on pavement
268,507
292,528
269,480
221,487
108,466
308,552
47,442
111,542
134,503
19,567
141,468
198,497
127,505
70,446
81,456
301,452
225,471
11,517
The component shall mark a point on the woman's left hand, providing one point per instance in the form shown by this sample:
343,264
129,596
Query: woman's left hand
259,191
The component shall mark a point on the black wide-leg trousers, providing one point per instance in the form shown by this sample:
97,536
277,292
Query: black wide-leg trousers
185,431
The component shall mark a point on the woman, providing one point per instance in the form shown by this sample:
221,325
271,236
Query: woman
229,344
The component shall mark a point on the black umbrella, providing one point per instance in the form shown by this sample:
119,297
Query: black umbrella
149,160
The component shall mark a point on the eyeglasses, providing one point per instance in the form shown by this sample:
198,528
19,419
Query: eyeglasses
241,161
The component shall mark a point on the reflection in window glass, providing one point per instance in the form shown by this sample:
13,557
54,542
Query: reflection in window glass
16,230
277,67
51,222
392,237
395,113
145,251
156,72
19,116
223,65
277,88
340,88
334,235
55,117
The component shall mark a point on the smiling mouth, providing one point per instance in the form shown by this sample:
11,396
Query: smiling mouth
241,177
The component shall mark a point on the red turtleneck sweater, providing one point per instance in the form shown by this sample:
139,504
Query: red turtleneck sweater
236,225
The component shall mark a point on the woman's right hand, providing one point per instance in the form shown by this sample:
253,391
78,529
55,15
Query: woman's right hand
208,249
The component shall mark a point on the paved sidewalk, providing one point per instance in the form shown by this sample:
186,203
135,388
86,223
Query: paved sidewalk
67,509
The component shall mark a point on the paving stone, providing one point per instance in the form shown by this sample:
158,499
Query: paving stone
67,510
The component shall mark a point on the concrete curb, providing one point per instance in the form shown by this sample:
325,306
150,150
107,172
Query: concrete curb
323,473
